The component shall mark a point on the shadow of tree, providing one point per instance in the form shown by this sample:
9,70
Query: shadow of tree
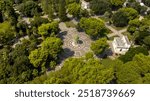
62,34
66,53
80,42
105,54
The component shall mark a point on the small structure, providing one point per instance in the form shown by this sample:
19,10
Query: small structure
140,1
121,45
85,5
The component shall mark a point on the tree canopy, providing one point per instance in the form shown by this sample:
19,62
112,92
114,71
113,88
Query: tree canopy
29,8
134,72
48,53
132,52
74,9
99,46
100,6
82,71
117,3
123,16
93,27
7,33
48,29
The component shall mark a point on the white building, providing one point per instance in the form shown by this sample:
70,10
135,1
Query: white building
121,45
85,5
140,1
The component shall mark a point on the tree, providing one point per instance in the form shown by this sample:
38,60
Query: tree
38,80
143,31
136,71
137,6
147,41
48,8
38,21
146,2
6,33
123,16
133,25
99,46
29,8
62,10
49,28
53,45
117,3
74,9
36,58
76,39
130,12
120,19
8,12
100,6
44,56
15,66
132,52
95,28
82,71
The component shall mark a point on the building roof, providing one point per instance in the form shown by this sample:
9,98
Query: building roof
122,41
119,42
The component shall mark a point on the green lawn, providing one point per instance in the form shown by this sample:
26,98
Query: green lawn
106,62
70,24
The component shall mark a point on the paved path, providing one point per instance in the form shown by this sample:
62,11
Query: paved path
68,36
115,32
70,49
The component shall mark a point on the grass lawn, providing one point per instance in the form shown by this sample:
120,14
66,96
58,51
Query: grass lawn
106,62
112,38
118,28
70,24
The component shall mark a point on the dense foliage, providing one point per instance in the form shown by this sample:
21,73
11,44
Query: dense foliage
48,29
146,2
123,16
29,8
82,70
136,71
117,3
93,27
132,52
46,56
7,33
100,6
99,46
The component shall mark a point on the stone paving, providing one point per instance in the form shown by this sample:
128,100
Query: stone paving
68,36
70,50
